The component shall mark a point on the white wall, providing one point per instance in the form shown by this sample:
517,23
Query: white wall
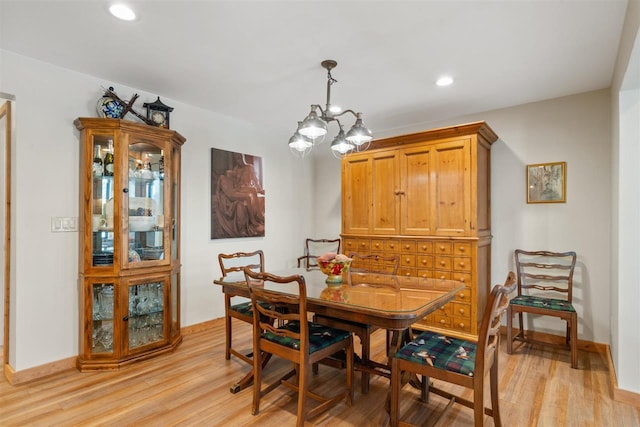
48,99
625,236
573,129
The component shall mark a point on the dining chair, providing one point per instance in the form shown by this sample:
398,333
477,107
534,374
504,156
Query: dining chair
235,263
297,340
545,287
313,248
449,359
370,263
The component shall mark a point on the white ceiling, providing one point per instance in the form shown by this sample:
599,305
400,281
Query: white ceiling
260,60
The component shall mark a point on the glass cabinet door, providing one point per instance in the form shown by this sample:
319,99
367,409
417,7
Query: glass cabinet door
146,197
102,193
146,313
102,300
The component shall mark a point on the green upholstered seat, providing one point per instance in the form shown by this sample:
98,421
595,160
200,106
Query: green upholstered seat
319,336
542,302
442,352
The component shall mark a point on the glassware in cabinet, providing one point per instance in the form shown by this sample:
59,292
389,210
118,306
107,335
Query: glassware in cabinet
102,300
146,201
146,314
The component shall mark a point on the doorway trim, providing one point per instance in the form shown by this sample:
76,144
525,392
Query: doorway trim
5,113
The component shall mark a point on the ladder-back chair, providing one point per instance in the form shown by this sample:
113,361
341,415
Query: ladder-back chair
313,248
545,287
449,359
235,263
302,342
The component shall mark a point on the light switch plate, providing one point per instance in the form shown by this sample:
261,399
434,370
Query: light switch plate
64,223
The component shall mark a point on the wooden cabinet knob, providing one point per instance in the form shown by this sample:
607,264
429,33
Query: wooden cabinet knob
424,247
442,263
442,321
407,246
461,248
461,311
424,262
442,248
461,279
461,295
362,244
407,260
377,245
424,276
461,325
442,277
391,245
461,264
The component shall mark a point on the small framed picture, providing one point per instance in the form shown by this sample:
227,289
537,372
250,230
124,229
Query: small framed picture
547,183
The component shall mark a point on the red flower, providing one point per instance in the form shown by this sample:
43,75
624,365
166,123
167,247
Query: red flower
337,269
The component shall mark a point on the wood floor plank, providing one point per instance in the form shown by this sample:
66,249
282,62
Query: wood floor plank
190,387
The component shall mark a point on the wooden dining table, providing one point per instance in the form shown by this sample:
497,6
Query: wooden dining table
390,302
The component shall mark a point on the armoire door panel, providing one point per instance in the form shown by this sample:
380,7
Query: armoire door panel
385,178
415,197
451,185
356,195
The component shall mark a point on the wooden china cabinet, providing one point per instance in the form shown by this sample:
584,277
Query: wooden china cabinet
129,237
425,197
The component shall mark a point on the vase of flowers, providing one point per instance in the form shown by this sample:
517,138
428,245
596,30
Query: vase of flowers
333,265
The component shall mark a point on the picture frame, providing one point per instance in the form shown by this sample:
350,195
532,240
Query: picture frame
237,195
547,182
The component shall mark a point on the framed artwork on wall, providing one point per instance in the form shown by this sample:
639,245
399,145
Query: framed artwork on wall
547,183
237,195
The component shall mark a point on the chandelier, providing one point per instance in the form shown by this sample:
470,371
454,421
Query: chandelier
312,130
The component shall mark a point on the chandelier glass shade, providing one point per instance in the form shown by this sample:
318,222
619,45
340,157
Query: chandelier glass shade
312,130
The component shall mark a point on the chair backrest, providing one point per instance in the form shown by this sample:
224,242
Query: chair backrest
375,263
542,272
236,262
271,307
313,248
489,333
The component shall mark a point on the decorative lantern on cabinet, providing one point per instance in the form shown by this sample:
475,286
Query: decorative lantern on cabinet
158,113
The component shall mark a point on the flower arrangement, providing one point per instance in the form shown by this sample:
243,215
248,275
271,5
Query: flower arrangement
333,265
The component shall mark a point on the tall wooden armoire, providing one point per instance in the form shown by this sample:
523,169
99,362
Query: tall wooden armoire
426,197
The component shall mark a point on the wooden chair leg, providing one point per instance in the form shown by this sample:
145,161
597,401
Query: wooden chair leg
478,402
493,384
574,340
257,382
227,329
395,394
424,389
509,330
366,354
350,370
303,384
521,325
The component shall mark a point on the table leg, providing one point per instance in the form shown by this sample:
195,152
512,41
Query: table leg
247,380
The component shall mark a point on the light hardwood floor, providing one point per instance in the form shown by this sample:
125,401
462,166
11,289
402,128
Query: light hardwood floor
190,387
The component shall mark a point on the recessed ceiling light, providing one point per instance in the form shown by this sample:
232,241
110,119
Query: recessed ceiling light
122,11
444,81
